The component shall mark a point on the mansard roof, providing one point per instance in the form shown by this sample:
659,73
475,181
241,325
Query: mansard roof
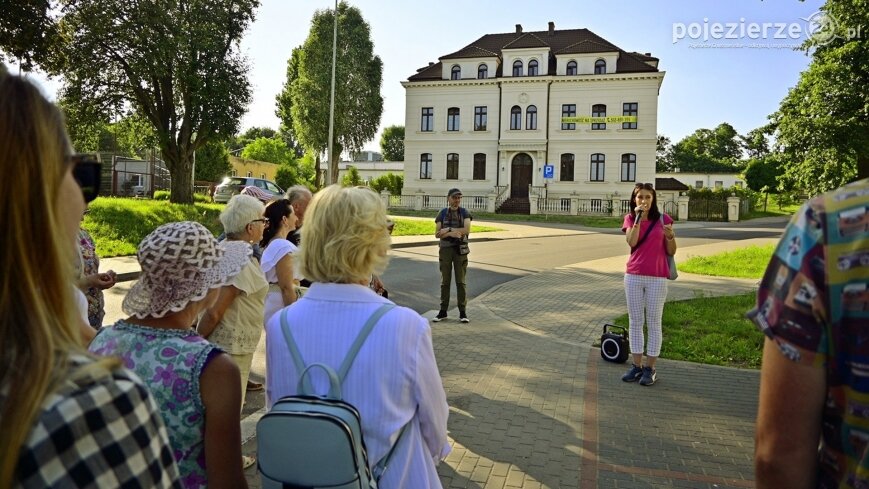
566,41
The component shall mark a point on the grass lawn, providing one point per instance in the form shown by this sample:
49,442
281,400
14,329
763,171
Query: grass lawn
773,210
710,330
589,221
748,262
119,224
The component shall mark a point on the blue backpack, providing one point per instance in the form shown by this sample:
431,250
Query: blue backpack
311,441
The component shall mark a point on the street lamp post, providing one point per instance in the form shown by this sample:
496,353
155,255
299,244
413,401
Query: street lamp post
332,100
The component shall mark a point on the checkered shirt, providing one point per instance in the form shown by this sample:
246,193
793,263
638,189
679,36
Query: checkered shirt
98,432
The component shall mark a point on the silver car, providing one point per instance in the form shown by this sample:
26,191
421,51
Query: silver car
234,185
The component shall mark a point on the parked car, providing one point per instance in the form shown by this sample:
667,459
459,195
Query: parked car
234,185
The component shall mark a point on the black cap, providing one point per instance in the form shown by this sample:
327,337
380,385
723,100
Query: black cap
454,191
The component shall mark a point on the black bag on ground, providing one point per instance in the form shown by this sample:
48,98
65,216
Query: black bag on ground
614,347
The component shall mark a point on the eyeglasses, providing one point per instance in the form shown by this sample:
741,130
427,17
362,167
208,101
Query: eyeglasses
264,220
87,172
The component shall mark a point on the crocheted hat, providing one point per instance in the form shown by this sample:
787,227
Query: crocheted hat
181,262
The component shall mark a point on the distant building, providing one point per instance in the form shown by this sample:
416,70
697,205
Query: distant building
367,169
706,180
245,167
367,156
488,117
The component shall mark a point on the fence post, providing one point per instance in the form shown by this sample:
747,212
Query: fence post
733,209
384,196
417,204
616,210
683,207
574,206
490,202
532,199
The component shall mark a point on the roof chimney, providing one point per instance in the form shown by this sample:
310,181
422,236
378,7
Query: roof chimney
518,28
551,28
649,54
430,63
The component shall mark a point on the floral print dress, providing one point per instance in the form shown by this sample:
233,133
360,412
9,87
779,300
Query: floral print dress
91,265
170,362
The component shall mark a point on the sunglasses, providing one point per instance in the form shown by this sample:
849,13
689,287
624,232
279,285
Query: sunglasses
88,173
647,186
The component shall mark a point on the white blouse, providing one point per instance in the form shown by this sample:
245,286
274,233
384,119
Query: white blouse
393,380
275,250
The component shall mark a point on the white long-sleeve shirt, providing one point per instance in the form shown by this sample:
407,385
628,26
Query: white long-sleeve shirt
394,378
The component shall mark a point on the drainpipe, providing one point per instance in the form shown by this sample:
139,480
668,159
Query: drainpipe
548,97
497,151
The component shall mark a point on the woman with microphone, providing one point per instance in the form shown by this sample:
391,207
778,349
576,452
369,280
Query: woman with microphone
650,236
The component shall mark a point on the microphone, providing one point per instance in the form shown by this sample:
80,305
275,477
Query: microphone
639,215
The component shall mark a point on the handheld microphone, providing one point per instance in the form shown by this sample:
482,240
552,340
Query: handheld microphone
639,214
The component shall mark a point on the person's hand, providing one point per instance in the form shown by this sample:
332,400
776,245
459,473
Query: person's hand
668,231
102,281
377,284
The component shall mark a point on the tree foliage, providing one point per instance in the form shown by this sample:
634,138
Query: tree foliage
288,175
663,154
269,150
352,177
392,143
823,122
359,74
388,181
284,104
28,32
708,151
176,64
212,162
763,174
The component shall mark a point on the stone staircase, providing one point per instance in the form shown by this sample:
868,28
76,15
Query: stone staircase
515,206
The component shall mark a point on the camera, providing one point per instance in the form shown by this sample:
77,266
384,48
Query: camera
614,346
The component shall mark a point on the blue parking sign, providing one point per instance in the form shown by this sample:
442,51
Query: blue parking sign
548,171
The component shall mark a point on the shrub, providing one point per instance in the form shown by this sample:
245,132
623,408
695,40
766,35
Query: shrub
165,194
161,195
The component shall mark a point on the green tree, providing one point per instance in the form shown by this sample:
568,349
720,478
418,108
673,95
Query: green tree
28,31
177,64
284,104
388,181
823,122
709,151
392,143
268,150
663,154
288,175
212,162
756,142
352,177
763,174
359,74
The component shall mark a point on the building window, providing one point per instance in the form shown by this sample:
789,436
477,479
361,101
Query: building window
452,166
425,166
629,167
571,68
250,174
598,110
453,119
567,161
531,117
698,184
719,184
630,108
517,68
482,71
479,166
568,110
480,118
532,67
600,67
427,120
262,175
456,73
515,118
596,173
738,183
233,173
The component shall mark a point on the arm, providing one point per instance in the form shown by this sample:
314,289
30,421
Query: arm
788,421
220,387
87,333
284,270
215,313
670,239
431,398
632,234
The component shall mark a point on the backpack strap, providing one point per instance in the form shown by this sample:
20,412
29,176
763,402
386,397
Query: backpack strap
381,465
295,354
363,335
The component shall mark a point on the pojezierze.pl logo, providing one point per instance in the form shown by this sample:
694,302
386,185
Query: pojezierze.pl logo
819,26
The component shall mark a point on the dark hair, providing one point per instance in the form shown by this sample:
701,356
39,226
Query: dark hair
654,213
275,211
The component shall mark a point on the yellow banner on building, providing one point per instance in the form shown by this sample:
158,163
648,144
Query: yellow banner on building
588,120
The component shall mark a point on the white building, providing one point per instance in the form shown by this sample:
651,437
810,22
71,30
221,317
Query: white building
488,117
707,180
367,169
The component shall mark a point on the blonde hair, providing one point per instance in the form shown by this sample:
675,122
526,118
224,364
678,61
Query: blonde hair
345,239
38,317
239,212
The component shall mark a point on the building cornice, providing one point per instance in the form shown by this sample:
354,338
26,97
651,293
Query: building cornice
521,146
656,75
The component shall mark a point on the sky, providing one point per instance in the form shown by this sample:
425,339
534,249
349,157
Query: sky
740,77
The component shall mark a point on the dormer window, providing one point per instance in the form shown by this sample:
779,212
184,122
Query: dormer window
600,67
482,71
456,73
532,67
571,68
517,68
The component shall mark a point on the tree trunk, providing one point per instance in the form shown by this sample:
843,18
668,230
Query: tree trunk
318,174
181,171
333,165
862,165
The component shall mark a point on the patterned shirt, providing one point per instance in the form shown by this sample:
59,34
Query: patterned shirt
91,266
814,303
97,432
171,362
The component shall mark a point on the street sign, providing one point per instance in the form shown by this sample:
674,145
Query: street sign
548,171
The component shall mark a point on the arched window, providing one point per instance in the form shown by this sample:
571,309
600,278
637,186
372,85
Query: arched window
531,117
482,71
516,118
571,68
598,110
629,167
566,174
600,67
532,67
456,73
596,170
453,119
517,68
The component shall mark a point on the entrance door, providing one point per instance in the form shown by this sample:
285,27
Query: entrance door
520,176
